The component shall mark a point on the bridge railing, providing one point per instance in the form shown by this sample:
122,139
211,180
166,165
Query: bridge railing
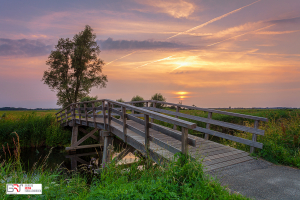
207,131
77,113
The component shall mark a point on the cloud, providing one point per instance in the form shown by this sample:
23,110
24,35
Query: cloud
23,47
286,21
177,9
111,44
212,20
275,32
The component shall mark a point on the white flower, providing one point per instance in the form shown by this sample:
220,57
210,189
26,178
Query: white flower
46,188
52,182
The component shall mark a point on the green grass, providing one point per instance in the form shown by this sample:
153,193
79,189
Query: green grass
281,142
180,179
34,129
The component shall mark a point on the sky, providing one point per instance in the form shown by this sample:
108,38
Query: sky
238,53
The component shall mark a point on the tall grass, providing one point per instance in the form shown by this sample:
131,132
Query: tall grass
34,130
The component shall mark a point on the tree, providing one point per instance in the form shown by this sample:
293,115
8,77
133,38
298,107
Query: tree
74,67
158,97
119,100
138,98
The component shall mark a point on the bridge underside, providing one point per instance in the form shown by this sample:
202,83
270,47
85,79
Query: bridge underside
212,154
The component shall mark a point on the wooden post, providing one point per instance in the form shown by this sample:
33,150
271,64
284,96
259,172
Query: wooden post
104,116
154,106
79,113
124,123
256,126
74,135
109,115
184,142
208,125
107,143
86,115
177,110
73,114
94,115
146,104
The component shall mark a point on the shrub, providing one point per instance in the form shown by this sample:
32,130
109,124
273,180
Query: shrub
138,98
158,97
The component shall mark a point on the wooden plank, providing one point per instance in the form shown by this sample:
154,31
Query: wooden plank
230,137
211,121
225,159
83,147
223,155
184,142
208,126
85,137
86,116
86,132
228,163
74,135
109,115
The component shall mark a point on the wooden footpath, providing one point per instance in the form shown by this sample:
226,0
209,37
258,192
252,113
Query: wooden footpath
158,142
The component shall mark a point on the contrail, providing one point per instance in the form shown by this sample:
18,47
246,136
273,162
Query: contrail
121,57
155,61
241,35
213,20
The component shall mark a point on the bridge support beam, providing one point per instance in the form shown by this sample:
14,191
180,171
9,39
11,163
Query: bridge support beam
108,147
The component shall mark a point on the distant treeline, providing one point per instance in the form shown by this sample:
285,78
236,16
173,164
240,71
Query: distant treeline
13,108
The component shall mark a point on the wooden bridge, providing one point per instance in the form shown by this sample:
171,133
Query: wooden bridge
135,126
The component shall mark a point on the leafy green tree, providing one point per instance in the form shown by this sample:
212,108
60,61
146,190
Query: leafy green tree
74,67
88,98
119,100
158,97
138,98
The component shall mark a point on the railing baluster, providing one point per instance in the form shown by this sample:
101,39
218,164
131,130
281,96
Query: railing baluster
86,115
177,110
109,115
104,116
184,143
94,115
208,125
124,123
79,113
256,125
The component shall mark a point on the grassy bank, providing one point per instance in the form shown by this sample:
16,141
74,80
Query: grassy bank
282,133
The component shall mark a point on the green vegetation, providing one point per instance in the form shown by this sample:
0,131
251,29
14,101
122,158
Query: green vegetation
180,179
158,97
33,129
74,67
138,98
282,132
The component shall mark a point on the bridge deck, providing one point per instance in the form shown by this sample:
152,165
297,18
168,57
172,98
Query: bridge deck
214,155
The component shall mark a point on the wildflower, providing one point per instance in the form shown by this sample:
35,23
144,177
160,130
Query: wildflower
46,188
